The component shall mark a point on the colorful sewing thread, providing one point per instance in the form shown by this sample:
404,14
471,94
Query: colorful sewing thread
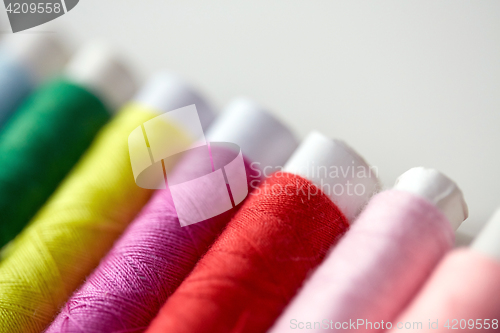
142,270
378,266
40,145
51,257
128,288
42,267
463,288
463,293
51,130
255,266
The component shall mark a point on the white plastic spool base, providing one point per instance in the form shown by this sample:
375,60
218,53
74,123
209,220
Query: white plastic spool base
99,69
166,92
43,55
338,170
438,189
263,139
174,103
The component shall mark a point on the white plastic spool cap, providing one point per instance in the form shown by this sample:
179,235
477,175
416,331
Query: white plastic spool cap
438,189
355,182
43,55
166,92
97,68
488,240
175,103
263,139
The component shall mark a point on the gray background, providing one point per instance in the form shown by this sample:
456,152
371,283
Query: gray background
406,83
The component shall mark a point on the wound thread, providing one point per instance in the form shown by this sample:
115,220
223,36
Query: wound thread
145,266
463,287
39,145
66,240
253,269
378,267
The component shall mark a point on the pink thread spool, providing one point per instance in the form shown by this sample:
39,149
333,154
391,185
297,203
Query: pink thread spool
383,259
464,291
155,253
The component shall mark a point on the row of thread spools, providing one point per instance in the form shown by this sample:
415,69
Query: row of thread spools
87,250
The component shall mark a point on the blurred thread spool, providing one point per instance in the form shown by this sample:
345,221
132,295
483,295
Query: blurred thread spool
128,288
389,252
42,267
278,237
25,62
463,288
51,130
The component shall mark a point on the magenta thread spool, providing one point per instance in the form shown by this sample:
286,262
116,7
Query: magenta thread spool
155,253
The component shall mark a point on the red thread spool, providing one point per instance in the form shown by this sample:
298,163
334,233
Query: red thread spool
156,253
280,234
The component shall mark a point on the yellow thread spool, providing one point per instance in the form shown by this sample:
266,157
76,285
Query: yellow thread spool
66,240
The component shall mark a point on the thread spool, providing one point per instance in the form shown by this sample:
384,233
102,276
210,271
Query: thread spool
51,130
99,305
78,225
25,62
380,264
463,289
262,256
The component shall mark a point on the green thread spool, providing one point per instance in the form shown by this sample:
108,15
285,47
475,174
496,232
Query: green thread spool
52,129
